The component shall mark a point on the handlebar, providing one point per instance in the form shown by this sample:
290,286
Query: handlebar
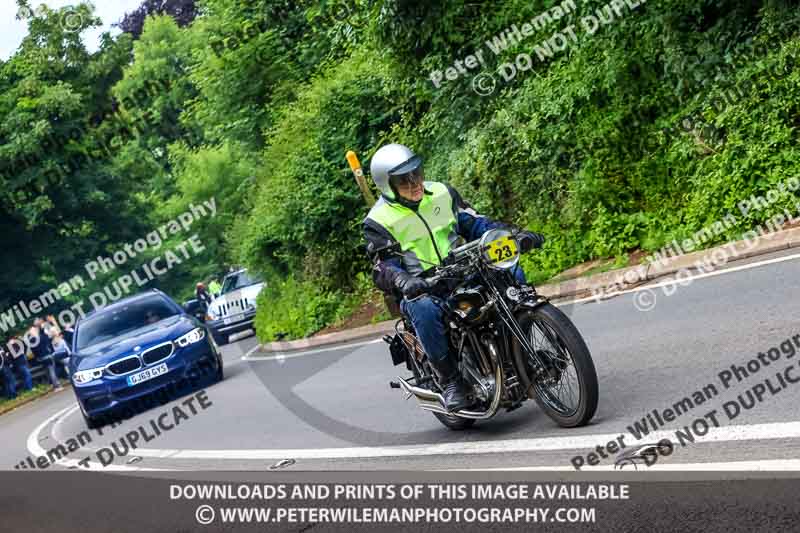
451,261
465,248
472,245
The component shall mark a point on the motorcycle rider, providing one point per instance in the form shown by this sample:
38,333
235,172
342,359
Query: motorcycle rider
425,218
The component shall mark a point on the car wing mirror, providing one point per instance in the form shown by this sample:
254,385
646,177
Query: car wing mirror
193,307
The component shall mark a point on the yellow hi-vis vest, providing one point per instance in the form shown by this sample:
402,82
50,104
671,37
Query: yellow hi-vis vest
425,235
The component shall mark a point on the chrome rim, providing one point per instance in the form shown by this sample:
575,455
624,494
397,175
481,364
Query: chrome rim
561,392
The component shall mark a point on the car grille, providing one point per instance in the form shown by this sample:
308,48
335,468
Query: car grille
124,366
234,307
153,355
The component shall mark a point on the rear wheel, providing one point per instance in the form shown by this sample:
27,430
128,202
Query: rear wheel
455,423
451,422
568,393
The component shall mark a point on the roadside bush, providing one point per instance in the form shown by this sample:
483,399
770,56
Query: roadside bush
615,145
299,308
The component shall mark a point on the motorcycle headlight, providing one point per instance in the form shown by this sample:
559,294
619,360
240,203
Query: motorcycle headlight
82,377
500,249
196,335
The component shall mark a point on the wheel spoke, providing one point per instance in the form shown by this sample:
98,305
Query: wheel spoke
547,345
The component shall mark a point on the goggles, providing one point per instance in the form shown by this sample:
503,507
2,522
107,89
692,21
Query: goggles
408,173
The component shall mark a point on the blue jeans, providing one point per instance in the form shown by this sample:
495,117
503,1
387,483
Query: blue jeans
50,365
425,313
21,365
427,317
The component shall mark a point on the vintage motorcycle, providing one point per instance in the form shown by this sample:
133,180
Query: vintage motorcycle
511,344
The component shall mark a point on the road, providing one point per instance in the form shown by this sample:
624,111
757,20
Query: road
332,409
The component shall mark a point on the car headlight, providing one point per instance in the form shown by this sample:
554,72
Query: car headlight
211,314
196,335
85,376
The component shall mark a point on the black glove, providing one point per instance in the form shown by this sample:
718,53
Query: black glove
529,240
410,286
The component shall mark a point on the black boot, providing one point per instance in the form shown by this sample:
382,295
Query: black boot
454,394
453,387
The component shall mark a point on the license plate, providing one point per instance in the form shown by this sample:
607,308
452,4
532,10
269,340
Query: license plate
232,319
144,375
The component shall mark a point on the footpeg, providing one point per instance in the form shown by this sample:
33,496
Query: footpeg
394,385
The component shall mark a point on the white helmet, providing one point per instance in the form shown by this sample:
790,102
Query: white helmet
394,163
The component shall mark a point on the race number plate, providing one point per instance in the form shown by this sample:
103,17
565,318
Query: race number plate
502,249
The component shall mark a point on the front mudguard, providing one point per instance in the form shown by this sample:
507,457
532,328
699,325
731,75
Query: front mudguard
530,303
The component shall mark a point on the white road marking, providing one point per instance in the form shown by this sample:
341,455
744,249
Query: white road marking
144,452
308,352
786,430
250,352
766,465
247,356
33,439
781,430
55,431
683,280
36,449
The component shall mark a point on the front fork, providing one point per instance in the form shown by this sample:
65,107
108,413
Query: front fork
524,297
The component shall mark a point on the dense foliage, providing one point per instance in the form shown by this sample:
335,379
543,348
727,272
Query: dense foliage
181,11
647,130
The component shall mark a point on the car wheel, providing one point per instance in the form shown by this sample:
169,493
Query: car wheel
91,422
220,370
221,339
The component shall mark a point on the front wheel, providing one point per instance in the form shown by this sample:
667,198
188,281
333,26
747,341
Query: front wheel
92,423
567,391
221,339
220,375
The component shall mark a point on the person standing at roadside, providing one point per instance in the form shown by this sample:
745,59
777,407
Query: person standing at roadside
60,350
214,288
201,293
13,353
42,349
51,327
9,380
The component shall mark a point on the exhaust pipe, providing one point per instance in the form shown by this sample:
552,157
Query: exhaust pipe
433,401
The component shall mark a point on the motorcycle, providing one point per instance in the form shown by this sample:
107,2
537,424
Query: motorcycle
511,344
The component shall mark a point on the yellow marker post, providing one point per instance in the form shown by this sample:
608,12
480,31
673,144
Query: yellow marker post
358,172
355,165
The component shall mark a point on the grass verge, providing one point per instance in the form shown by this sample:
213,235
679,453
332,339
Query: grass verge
23,397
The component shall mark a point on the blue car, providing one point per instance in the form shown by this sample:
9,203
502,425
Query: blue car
135,349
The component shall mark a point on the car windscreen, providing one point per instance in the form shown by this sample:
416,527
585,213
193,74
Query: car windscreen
123,320
237,281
